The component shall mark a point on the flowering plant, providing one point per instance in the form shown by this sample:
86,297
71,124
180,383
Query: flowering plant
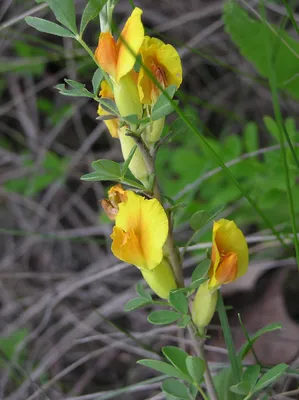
136,78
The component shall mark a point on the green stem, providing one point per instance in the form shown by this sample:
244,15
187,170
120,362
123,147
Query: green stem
177,268
170,245
281,130
198,344
235,364
291,16
202,393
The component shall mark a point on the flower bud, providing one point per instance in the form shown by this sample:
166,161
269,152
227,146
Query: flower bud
204,306
160,279
153,132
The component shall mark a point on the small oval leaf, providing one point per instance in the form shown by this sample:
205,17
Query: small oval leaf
162,317
196,368
133,304
178,301
165,368
175,388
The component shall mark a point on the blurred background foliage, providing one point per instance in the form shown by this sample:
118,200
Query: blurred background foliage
59,281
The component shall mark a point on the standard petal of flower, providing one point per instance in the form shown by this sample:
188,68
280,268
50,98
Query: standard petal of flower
169,58
106,53
149,222
164,63
129,43
126,247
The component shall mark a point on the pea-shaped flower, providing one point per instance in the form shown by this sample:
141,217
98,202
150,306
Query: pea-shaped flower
139,234
117,58
229,259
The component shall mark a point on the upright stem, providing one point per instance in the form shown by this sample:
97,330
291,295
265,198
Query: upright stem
177,270
198,344
173,254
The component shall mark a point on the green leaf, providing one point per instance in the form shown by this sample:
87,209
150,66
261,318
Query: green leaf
133,304
64,11
178,301
109,105
176,389
251,374
162,317
163,107
134,120
200,272
252,37
96,81
165,368
199,219
126,164
223,381
196,368
77,89
9,344
177,357
106,117
247,346
105,170
42,25
142,292
271,126
242,388
184,321
270,376
216,211
251,141
91,11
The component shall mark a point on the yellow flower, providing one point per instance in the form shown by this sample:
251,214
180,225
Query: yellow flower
118,58
140,231
204,306
163,61
229,258
112,124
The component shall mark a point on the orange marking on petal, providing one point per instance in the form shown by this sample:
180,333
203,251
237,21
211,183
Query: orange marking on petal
227,269
106,53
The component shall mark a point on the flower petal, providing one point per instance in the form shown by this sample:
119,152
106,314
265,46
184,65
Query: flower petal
129,43
106,53
126,247
106,90
169,59
149,222
112,124
227,269
164,63
229,238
